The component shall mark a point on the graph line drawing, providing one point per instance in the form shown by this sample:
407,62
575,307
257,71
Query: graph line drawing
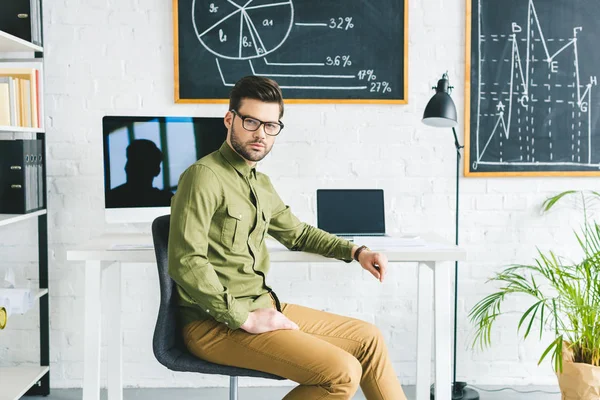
300,75
542,99
310,24
293,64
225,83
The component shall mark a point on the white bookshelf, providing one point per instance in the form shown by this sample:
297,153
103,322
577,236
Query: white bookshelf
13,44
16,381
19,129
7,219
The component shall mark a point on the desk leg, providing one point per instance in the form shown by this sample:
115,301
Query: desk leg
443,306
424,329
115,341
91,339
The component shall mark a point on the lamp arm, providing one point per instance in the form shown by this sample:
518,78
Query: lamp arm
456,143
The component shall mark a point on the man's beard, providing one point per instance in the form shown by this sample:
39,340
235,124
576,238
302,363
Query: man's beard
248,153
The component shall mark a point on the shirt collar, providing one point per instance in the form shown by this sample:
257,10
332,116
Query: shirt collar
237,161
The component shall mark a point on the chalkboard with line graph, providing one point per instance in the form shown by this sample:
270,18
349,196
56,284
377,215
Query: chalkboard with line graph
534,102
352,51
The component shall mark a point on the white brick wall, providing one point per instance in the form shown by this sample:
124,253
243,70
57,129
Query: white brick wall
108,56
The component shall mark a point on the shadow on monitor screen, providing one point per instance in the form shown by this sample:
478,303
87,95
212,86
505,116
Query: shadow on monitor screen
144,157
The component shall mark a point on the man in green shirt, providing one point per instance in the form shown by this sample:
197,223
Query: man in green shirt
220,216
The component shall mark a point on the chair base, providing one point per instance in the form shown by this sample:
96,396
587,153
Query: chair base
233,388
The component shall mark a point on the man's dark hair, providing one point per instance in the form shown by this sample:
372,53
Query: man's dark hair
257,88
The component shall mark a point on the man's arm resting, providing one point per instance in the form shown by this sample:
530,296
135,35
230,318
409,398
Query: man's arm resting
294,234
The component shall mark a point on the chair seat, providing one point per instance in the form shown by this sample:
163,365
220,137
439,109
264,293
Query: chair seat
185,362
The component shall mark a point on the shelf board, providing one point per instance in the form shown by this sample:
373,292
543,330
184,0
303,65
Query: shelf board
40,293
7,219
20,129
10,43
16,381
37,294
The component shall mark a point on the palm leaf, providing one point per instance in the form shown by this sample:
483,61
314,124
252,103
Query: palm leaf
550,202
531,309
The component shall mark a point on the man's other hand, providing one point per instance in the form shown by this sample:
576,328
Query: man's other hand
375,263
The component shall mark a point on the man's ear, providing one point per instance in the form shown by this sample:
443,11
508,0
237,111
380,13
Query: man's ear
228,119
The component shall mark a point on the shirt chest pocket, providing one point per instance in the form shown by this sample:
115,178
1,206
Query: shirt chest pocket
234,234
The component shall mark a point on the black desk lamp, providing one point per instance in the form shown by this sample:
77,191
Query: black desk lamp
441,113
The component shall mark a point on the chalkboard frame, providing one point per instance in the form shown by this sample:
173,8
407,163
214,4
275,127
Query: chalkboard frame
467,122
179,100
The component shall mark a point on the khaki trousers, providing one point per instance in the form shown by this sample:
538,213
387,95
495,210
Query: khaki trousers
329,356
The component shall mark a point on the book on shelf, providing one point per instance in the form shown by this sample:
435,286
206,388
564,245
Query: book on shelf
19,97
28,64
22,18
21,176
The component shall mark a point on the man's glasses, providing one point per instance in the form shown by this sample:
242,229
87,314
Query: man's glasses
253,124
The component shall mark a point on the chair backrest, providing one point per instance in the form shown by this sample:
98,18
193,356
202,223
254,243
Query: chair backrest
167,342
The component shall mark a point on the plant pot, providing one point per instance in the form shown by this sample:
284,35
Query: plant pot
578,381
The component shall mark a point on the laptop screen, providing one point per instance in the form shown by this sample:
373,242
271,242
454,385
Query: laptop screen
351,211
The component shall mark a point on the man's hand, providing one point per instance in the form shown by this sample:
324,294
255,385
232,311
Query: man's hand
375,263
266,320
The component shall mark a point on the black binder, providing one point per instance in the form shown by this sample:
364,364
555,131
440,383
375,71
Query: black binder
21,18
19,189
40,175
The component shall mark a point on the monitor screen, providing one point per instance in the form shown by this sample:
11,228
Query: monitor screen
144,157
351,211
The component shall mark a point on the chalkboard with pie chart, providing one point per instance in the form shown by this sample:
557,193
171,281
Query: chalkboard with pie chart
352,51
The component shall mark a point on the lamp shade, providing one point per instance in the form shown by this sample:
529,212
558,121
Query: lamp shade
441,111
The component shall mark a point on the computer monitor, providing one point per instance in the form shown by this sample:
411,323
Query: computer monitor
144,157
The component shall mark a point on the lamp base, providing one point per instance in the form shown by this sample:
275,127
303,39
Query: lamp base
459,392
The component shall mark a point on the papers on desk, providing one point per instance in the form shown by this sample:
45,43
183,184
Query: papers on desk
373,242
130,246
389,242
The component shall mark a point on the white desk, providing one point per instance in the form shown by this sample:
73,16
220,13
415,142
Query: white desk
435,286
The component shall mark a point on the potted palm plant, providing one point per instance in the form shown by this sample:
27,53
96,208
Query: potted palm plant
565,298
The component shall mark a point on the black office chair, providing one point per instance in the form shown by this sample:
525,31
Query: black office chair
168,345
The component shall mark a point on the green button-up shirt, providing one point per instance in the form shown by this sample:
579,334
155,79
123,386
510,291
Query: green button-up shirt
220,215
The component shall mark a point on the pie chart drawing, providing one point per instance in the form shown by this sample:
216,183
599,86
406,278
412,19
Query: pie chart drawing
242,29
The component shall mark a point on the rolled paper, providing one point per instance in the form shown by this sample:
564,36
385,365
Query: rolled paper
3,318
